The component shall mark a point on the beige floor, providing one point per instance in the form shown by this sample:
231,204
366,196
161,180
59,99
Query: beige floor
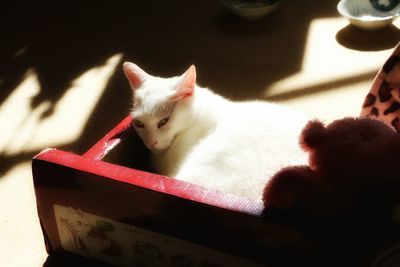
61,83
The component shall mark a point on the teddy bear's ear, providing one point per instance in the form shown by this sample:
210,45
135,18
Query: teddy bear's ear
313,135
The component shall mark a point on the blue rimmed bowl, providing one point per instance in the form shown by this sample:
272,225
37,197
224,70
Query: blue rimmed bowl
369,14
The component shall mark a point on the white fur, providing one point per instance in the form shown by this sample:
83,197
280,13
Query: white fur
216,143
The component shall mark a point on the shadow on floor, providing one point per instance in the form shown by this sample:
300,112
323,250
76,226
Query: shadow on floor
361,40
61,42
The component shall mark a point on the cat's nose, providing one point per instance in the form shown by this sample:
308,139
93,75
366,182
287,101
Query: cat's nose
153,143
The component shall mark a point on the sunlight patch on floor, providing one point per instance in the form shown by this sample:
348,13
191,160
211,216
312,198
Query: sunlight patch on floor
26,129
19,221
333,104
16,109
326,62
29,130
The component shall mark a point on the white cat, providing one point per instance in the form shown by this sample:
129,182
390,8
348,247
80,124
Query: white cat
203,138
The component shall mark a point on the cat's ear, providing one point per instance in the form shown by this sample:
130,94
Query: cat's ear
186,85
135,75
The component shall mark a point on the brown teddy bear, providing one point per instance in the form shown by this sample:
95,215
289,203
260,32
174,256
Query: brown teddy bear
353,172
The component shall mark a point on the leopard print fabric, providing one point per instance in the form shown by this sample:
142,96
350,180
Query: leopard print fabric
383,100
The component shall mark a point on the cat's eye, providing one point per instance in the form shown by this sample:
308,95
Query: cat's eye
162,122
138,123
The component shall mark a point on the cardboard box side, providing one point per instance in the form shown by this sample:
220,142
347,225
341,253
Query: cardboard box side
153,181
66,179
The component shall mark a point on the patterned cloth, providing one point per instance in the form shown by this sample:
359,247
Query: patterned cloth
383,100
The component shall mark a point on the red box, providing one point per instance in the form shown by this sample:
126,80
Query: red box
95,209
122,215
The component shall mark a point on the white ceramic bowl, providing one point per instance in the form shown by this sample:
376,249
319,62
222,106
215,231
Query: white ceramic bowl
369,14
251,9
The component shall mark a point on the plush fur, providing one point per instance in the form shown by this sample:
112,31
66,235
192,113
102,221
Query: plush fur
353,172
